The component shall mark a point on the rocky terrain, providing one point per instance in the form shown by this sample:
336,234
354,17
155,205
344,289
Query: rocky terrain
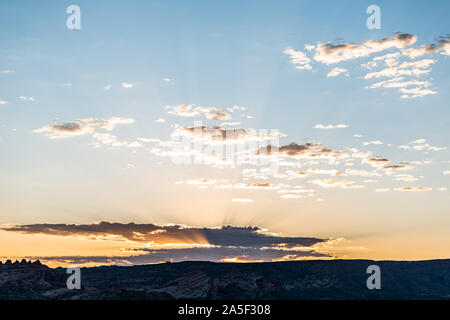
333,279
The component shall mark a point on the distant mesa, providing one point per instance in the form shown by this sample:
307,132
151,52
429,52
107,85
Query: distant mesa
23,262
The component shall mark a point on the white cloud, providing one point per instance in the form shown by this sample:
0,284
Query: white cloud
416,92
23,98
329,53
337,71
298,58
399,83
236,108
335,183
188,110
330,126
376,142
127,85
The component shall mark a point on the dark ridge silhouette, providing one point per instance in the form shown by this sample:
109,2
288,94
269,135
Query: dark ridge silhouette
302,280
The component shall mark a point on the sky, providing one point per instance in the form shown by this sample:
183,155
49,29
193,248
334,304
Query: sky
224,131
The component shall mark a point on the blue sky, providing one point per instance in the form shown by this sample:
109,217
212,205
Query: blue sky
138,59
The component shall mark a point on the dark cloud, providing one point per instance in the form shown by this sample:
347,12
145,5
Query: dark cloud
230,236
206,244
378,160
329,53
216,254
395,167
309,150
67,127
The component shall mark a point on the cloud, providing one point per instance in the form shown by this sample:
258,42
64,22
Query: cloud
107,87
298,58
416,92
362,173
330,53
64,130
376,142
420,145
335,183
218,116
414,189
3,102
201,182
226,235
189,110
330,126
446,172
81,127
23,98
127,85
182,110
405,178
442,46
215,254
394,72
257,186
236,108
167,80
222,135
307,150
376,162
160,120
397,70
397,167
107,138
7,71
399,83
337,71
